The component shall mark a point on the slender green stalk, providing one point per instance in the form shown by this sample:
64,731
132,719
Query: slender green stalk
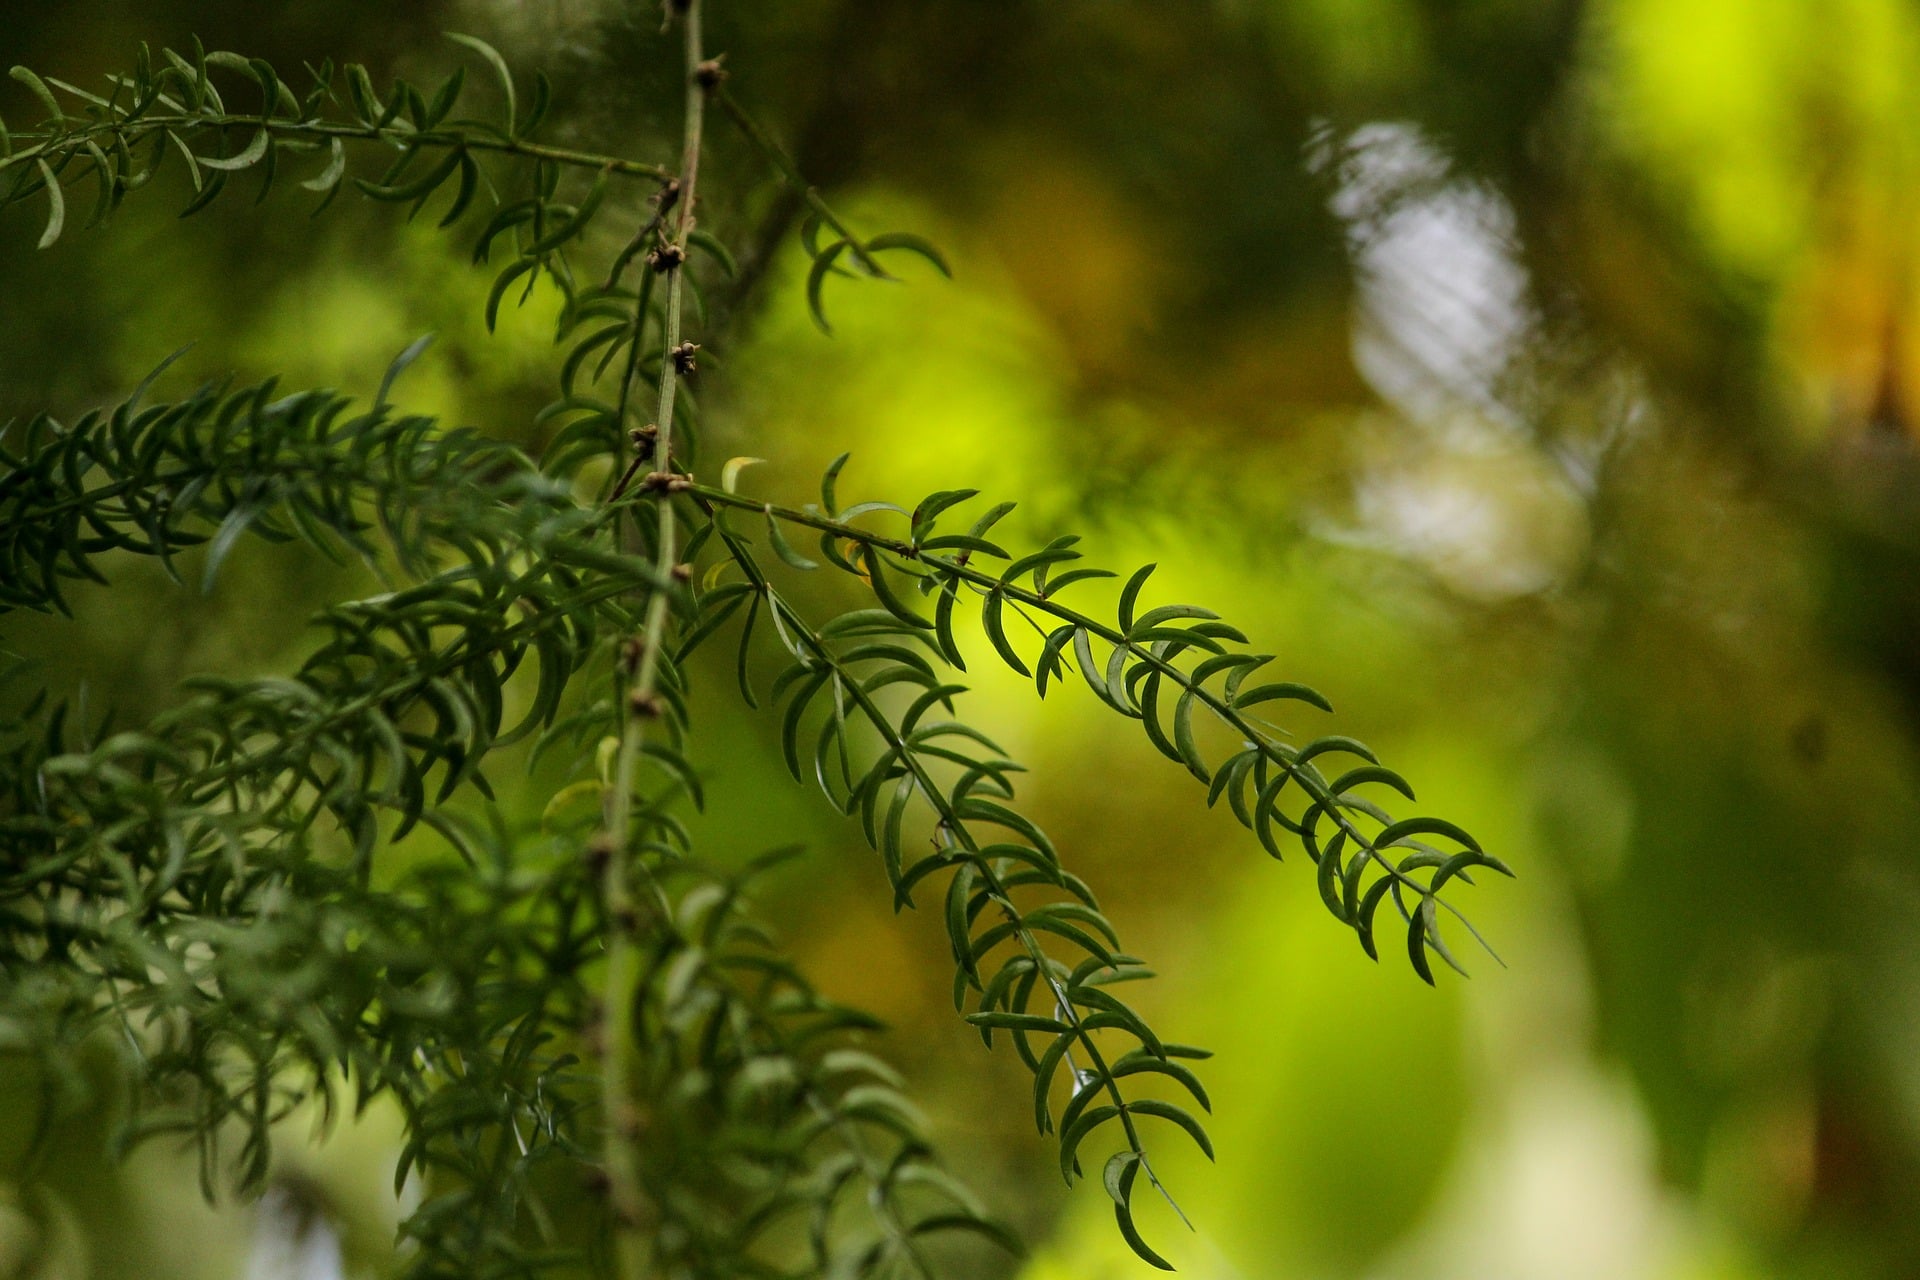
950,822
1222,709
618,1048
136,129
783,164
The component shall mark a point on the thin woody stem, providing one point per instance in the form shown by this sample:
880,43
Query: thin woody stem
617,1044
783,164
1222,709
949,821
138,127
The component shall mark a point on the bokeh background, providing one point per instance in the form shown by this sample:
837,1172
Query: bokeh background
1536,377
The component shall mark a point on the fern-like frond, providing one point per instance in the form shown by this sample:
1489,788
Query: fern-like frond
117,139
1039,972
220,465
205,886
812,1123
1163,666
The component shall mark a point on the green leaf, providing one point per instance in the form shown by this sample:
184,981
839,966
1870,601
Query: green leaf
983,1227
712,247
959,932
1459,862
1179,1116
417,189
1056,585
977,808
943,621
401,363
990,519
790,723
1417,929
1399,831
1363,917
576,221
934,503
912,244
502,283
1131,593
329,178
828,480
1271,692
463,195
817,279
1044,916
256,148
1083,1124
1371,773
1334,743
1138,1061
1327,869
40,90
883,589
1183,736
1050,662
997,633
56,201
1033,1022
867,508
500,71
784,549
542,100
1168,613
730,475
508,215
1121,1188
1150,719
963,542
443,100
366,103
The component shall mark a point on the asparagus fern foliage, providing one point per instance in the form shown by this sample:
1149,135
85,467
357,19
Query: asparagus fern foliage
589,1002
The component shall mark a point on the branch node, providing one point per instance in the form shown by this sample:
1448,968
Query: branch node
665,482
683,358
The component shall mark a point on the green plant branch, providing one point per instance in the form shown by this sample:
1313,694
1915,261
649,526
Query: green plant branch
618,1045
215,466
136,130
953,825
215,862
167,748
775,155
1308,779
883,1206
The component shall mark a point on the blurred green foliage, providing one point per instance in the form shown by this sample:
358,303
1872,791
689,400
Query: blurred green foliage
1551,366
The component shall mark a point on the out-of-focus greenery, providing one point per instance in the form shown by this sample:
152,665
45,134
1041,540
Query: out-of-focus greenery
1550,364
